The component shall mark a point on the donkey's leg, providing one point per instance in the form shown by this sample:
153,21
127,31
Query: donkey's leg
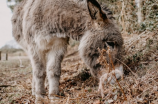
39,74
54,59
33,85
53,71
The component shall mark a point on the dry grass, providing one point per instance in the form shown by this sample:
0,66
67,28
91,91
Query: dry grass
14,80
77,86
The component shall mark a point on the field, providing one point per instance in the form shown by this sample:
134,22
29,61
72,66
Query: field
77,86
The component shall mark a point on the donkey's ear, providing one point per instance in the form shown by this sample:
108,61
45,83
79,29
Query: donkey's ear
95,10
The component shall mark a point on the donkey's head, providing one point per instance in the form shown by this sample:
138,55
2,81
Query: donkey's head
102,34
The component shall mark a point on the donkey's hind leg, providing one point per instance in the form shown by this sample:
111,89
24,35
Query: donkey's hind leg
54,59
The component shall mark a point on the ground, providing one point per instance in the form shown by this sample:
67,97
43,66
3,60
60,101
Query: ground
77,86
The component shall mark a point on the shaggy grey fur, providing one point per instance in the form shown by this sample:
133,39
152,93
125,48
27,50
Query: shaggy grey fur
43,28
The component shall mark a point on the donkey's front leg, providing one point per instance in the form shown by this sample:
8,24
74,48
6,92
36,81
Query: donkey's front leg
39,74
54,60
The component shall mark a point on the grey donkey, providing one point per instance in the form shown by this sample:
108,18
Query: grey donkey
43,29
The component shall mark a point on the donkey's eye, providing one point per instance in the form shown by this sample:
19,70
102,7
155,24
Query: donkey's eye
112,44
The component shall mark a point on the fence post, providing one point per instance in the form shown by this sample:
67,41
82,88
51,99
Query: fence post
6,56
0,55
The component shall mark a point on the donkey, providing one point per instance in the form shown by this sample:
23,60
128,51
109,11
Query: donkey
43,29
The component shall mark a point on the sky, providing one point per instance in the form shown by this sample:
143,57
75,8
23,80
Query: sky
5,23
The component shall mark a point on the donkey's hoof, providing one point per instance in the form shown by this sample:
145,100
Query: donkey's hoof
54,100
39,100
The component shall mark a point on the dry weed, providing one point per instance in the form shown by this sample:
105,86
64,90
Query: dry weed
107,77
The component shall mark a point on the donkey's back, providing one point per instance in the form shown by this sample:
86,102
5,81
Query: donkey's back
36,21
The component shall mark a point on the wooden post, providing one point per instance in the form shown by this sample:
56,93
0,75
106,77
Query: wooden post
140,16
0,55
6,56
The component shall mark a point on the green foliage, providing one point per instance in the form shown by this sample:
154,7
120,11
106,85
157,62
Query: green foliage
127,16
150,11
12,3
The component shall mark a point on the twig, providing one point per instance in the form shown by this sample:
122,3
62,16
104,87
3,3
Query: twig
113,67
71,54
128,68
145,91
6,86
